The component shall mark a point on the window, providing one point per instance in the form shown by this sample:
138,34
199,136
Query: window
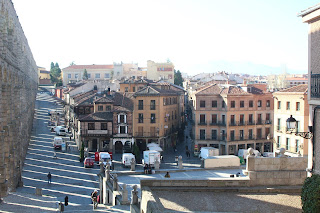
76,76
241,122
140,106
152,104
250,118
250,134
288,105
297,106
106,75
153,118
108,108
278,141
121,119
133,89
232,120
214,104
104,126
140,130
250,103
259,133
259,121
90,126
241,137
214,134
140,118
259,103
268,118
232,135
89,75
69,75
87,110
202,103
223,135
202,134
122,129
126,89
279,124
241,104
297,145
223,104
223,119
298,126
233,104
100,108
279,104
97,75
287,143
202,119
267,131
214,118
268,103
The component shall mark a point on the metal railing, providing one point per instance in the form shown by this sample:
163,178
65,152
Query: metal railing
315,85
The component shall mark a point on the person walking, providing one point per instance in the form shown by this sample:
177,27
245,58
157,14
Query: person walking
49,177
94,198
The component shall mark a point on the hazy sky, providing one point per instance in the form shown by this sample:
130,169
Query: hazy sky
196,35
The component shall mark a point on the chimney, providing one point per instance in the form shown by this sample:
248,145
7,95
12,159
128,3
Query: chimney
108,91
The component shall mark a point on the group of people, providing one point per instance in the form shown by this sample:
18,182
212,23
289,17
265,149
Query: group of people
147,169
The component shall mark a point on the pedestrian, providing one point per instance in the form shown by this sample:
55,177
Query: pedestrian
55,154
167,175
94,198
146,169
66,200
49,177
70,137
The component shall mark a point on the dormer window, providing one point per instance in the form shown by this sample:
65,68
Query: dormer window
122,118
108,108
100,108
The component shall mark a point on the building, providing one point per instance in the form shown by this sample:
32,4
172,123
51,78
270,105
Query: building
294,81
160,71
292,101
229,118
312,17
156,116
133,85
75,73
44,76
129,70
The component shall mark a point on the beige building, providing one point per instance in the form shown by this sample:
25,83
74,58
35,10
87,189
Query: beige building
229,118
292,101
312,17
160,71
129,70
156,116
74,73
44,76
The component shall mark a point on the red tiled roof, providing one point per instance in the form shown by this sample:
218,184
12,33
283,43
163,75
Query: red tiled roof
296,79
93,66
232,90
209,90
299,88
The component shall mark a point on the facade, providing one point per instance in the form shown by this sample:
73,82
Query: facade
229,118
294,81
312,17
44,76
18,90
74,73
155,116
292,101
129,70
133,85
160,71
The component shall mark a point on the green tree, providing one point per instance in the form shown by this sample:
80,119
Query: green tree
82,153
85,74
55,74
178,78
136,152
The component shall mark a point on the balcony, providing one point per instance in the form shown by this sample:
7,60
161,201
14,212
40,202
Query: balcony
232,123
250,123
260,122
241,123
202,124
95,132
315,85
209,138
268,122
221,123
214,124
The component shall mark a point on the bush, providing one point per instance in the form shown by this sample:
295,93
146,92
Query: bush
310,194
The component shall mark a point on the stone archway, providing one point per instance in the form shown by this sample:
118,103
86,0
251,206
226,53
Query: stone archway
118,147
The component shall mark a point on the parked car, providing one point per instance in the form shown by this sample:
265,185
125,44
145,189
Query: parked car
57,142
60,130
88,162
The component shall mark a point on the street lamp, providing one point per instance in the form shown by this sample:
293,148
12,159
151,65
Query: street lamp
291,126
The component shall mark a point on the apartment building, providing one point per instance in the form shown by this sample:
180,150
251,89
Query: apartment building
156,116
133,85
160,71
292,101
75,73
229,118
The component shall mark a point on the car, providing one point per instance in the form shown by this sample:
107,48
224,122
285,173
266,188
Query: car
88,162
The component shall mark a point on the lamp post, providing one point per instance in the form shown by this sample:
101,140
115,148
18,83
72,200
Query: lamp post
291,126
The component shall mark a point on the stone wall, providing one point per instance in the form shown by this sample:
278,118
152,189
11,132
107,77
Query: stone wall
18,88
224,161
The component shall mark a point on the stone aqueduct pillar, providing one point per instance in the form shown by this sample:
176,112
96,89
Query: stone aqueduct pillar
18,88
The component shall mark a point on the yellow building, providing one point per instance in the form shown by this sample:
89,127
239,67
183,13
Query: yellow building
44,76
156,116
160,71
292,101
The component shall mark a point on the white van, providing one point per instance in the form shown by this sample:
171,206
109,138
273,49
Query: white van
104,157
244,152
150,156
127,158
206,152
60,130
57,142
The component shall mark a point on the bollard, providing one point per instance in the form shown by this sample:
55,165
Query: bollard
39,191
134,195
133,165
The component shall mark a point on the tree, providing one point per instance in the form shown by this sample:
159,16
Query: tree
81,153
55,74
178,78
136,152
85,74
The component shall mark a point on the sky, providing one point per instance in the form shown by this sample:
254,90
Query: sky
237,36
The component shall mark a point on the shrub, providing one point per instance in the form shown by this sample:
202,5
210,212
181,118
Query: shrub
310,194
